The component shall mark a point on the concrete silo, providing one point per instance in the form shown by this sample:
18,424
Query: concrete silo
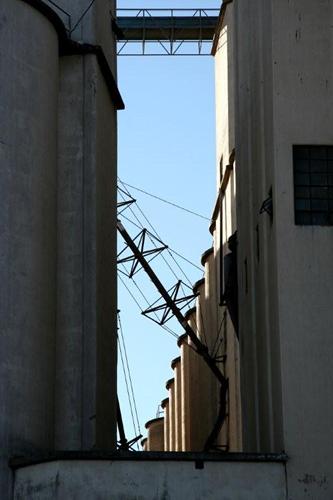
58,99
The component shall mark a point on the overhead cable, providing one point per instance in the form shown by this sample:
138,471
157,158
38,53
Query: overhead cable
166,201
154,230
126,384
171,249
129,372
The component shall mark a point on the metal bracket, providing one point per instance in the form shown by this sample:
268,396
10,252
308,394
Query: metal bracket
140,242
125,202
180,302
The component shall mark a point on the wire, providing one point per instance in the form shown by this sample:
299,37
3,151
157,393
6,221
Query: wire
186,260
166,201
218,342
171,249
127,387
129,291
203,323
167,329
156,233
129,373
82,16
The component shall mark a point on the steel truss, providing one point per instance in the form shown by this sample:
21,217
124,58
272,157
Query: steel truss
199,347
140,241
125,202
165,32
181,301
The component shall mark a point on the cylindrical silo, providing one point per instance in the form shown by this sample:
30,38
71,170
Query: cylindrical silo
155,428
193,401
170,386
144,444
214,334
165,407
28,152
176,366
185,391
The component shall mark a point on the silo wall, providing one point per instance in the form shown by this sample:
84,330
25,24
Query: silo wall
28,153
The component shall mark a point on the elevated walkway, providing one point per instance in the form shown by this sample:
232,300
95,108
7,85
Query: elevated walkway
165,31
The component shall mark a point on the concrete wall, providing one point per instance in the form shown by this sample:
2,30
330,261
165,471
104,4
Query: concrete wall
28,152
283,97
225,224
57,238
151,480
303,114
86,351
258,330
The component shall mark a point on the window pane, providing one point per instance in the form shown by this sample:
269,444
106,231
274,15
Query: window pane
322,219
303,192
301,152
318,152
318,179
313,185
303,218
319,205
319,192
302,165
302,179
318,165
303,204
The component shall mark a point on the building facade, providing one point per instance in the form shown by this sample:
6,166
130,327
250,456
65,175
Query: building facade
272,233
263,309
58,229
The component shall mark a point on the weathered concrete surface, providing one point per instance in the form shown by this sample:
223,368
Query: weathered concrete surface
283,53
91,25
58,153
86,306
150,480
28,158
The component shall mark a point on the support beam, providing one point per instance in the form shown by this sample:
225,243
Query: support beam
201,349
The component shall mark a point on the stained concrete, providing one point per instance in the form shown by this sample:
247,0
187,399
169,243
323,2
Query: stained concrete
173,479
28,155
58,151
283,84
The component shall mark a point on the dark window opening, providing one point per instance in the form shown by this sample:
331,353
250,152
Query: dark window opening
221,169
313,185
258,243
246,277
230,291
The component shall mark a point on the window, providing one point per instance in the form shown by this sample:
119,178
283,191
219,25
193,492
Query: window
313,185
221,169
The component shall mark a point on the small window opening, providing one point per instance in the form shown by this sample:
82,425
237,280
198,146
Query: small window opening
258,242
313,185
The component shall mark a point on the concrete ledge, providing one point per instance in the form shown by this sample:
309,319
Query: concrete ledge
143,456
69,47
152,476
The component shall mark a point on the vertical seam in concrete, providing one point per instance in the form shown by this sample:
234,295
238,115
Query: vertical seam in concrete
286,481
83,67
56,264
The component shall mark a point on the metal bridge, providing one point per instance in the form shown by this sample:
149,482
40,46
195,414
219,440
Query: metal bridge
165,32
154,32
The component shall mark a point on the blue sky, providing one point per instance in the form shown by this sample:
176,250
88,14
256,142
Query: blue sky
166,147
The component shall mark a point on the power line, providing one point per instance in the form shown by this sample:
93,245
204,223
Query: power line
84,13
127,386
171,249
129,372
166,201
167,329
156,233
